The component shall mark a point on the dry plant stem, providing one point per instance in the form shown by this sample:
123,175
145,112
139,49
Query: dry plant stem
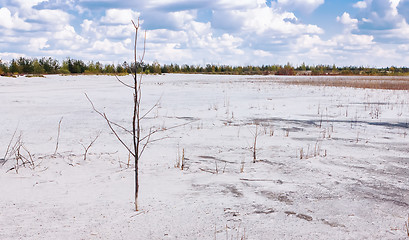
182,166
255,145
368,83
86,148
407,226
129,159
242,168
21,160
8,147
58,136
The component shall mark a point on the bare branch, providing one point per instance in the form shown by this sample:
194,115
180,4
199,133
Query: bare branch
146,143
123,83
163,130
136,40
153,107
158,139
102,115
117,136
180,125
144,49
136,27
110,126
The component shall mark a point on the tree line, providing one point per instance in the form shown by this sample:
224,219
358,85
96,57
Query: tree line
74,66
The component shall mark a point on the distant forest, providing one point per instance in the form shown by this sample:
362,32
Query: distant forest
73,66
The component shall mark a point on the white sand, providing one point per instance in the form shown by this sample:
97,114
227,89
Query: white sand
352,183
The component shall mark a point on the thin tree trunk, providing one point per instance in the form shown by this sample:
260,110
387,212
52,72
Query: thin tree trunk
135,121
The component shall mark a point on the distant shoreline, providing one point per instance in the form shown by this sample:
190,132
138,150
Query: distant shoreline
349,81
231,74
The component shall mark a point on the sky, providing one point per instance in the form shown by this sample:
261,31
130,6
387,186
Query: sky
370,33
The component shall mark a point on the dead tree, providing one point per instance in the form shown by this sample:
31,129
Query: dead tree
139,142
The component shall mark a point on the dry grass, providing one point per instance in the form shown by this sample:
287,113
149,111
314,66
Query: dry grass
390,83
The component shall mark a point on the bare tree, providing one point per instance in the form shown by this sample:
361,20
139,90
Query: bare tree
139,142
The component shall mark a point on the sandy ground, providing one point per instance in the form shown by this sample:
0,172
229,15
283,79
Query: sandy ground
332,163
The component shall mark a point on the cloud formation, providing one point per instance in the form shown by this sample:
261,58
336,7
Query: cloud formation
302,5
201,32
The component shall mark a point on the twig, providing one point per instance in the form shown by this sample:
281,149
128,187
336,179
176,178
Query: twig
103,114
257,180
207,170
123,83
153,107
255,145
146,143
86,148
144,49
110,126
8,147
58,135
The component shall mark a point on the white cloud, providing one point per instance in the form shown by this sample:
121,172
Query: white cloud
243,4
109,47
38,44
263,20
350,23
361,5
86,25
200,31
380,15
119,16
26,4
179,19
354,41
67,38
262,53
11,55
303,5
56,18
312,41
12,21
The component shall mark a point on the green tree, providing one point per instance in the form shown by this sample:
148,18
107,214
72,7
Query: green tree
14,67
50,66
25,65
156,67
3,68
65,68
37,68
286,70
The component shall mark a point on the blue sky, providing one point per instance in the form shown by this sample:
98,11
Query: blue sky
371,33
